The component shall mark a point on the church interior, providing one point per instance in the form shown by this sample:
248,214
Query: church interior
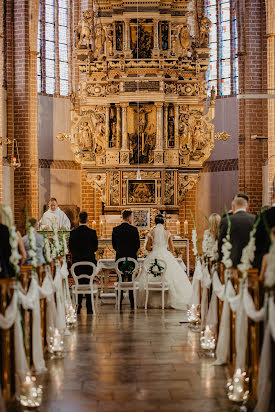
157,107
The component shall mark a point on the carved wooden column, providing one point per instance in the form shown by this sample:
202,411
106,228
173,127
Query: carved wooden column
127,50
107,125
124,153
165,128
118,125
156,38
158,152
176,125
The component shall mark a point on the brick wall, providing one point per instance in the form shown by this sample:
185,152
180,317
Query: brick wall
252,112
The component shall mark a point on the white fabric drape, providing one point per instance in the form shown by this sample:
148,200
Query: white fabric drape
205,282
224,332
60,303
195,297
212,315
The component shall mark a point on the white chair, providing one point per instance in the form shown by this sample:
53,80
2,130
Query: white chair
87,288
126,286
159,285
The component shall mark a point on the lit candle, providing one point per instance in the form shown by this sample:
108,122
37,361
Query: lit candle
30,393
101,227
185,227
94,224
207,333
27,386
238,386
56,340
14,161
178,227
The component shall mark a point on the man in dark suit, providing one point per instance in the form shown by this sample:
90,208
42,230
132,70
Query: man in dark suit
126,242
241,226
83,244
5,252
262,236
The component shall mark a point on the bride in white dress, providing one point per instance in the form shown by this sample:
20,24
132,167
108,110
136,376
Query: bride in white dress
160,245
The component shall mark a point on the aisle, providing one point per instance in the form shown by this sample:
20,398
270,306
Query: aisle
134,362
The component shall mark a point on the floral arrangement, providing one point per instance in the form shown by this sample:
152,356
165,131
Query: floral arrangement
32,243
248,252
47,249
227,246
127,268
15,255
208,245
194,237
56,248
65,245
155,268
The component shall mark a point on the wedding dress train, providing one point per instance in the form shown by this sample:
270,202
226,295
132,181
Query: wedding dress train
180,289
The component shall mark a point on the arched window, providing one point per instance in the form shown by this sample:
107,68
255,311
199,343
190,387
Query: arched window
53,47
222,72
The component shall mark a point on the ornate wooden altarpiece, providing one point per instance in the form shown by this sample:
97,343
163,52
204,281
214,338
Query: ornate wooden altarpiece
140,101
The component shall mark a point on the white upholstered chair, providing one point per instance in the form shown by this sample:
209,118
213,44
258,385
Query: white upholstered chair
89,288
126,286
157,284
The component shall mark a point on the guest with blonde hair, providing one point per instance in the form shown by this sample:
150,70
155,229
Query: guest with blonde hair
214,223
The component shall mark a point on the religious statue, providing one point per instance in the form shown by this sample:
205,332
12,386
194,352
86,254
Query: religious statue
110,39
164,36
213,96
143,118
100,38
85,136
119,36
174,38
99,132
84,31
205,25
185,40
100,185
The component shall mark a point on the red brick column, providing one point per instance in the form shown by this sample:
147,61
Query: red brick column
22,104
270,14
252,112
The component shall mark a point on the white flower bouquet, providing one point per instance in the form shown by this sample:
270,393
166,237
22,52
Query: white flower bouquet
248,252
32,243
56,246
47,250
227,246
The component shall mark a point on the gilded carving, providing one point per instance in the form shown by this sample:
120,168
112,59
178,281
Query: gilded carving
99,183
185,40
169,188
114,188
96,90
205,25
186,183
84,31
100,38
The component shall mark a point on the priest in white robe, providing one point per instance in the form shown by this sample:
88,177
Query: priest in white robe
54,218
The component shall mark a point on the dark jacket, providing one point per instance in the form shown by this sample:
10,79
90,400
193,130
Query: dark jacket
5,252
262,236
83,244
125,240
241,226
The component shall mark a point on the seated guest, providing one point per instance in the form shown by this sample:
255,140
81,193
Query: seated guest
39,244
83,244
5,246
266,256
262,234
54,217
5,252
241,226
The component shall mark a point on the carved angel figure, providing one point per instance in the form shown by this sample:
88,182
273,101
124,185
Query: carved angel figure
205,25
100,38
85,136
84,31
100,185
185,40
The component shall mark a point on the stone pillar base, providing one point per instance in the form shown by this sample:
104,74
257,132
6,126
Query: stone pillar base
155,53
172,157
128,53
158,157
124,157
112,156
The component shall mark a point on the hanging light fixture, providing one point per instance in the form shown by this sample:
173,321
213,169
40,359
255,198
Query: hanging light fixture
15,159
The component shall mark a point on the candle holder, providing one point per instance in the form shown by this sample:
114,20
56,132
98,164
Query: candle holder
238,388
56,343
208,341
193,316
71,316
30,392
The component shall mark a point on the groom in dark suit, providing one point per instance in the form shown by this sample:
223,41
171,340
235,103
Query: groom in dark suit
126,243
83,244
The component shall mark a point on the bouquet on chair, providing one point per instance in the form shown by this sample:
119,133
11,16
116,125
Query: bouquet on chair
127,268
155,268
